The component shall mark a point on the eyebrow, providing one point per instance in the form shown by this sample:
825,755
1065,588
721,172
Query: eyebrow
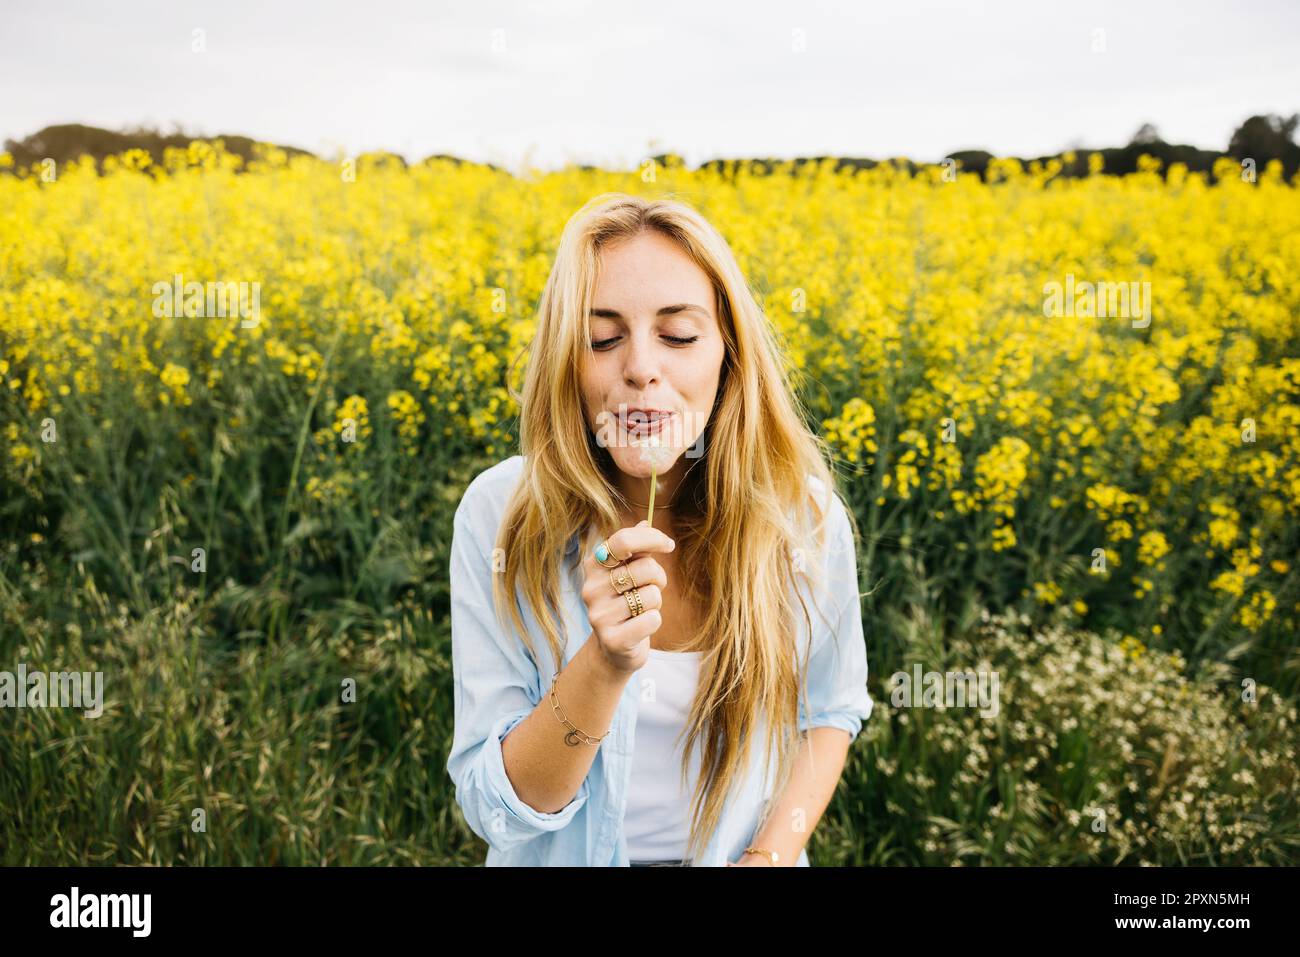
665,311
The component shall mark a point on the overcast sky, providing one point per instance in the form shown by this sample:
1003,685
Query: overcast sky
552,81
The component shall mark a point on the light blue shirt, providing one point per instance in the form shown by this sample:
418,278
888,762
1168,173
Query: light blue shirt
497,685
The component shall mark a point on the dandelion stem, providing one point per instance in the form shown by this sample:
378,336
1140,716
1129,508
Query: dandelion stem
650,515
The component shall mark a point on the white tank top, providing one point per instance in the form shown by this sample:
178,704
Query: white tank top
656,822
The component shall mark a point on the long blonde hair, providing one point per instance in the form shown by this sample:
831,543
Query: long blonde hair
744,502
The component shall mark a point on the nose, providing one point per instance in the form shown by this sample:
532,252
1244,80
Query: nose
641,363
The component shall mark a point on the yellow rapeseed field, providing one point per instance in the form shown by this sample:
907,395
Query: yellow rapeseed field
913,310
266,386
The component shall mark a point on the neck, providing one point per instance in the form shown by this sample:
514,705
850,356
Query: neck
663,518
637,491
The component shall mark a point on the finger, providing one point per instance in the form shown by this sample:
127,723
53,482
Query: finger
650,595
598,588
636,628
616,608
646,571
627,543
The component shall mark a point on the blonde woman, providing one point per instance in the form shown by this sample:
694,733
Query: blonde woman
678,693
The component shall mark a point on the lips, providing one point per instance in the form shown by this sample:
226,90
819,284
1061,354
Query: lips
645,421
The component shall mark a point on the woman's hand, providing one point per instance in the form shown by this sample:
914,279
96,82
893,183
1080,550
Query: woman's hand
623,639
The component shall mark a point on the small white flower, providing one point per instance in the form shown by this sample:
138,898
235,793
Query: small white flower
655,454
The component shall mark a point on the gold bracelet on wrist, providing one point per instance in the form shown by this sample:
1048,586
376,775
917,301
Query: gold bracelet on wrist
772,856
575,736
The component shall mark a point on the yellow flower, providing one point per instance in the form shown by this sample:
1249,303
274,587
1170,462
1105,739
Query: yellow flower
176,378
1047,593
405,409
1004,537
1000,472
352,420
1152,547
853,432
1131,647
1257,613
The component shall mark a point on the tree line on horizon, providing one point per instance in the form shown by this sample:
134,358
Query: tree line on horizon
1261,138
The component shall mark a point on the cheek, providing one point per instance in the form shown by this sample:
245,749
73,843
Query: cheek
595,387
701,380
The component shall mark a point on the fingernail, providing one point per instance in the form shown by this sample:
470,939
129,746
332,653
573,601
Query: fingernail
642,522
671,544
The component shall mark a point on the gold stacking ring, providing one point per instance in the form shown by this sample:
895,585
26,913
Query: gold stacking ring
633,602
621,577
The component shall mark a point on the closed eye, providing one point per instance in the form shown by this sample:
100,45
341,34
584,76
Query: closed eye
676,340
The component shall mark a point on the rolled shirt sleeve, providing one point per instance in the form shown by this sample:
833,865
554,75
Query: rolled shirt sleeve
496,685
837,664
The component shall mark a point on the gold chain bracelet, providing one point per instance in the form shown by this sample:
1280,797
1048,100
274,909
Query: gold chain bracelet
575,736
772,856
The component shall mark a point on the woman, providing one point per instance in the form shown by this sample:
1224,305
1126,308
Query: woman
630,732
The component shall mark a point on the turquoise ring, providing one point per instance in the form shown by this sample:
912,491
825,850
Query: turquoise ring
603,554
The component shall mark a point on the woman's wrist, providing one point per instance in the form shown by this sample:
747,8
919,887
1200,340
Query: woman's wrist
773,858
786,846
606,670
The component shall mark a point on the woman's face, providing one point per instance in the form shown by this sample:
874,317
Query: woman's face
656,348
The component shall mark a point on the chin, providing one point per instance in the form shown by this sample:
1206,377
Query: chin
630,462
